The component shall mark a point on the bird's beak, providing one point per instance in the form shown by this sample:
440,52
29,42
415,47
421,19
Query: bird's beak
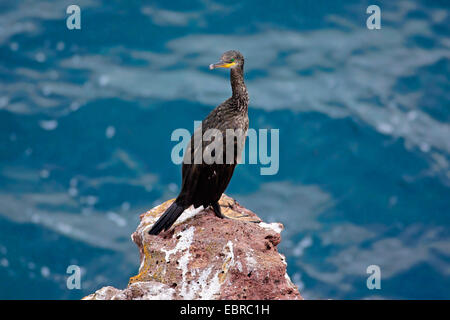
221,64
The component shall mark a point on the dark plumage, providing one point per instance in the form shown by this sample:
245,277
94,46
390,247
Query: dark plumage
203,183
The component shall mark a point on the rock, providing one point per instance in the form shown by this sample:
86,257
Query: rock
205,257
149,290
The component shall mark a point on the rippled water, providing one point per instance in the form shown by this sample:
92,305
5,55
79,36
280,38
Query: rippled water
364,118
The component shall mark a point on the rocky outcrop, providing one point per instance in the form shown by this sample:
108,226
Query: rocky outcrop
205,257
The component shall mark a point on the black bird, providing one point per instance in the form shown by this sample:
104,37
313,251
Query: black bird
205,181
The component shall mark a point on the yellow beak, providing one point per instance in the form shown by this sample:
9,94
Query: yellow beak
221,64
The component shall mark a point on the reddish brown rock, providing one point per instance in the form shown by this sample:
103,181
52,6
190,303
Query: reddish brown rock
205,257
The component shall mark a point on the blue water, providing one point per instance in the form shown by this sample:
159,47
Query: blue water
364,118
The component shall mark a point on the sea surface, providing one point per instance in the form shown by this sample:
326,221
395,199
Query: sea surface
86,118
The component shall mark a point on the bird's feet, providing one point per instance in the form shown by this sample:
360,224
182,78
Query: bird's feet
242,217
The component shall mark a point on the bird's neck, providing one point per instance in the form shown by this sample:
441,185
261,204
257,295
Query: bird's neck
238,87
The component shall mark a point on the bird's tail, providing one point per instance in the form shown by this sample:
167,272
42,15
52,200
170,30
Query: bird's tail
167,219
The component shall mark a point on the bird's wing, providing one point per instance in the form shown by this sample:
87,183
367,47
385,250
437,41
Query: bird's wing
203,183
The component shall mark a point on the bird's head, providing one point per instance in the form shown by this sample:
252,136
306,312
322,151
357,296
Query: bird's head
230,60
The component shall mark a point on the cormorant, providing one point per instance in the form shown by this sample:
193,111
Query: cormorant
204,182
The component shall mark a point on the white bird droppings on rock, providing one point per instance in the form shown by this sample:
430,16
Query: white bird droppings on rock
275,226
